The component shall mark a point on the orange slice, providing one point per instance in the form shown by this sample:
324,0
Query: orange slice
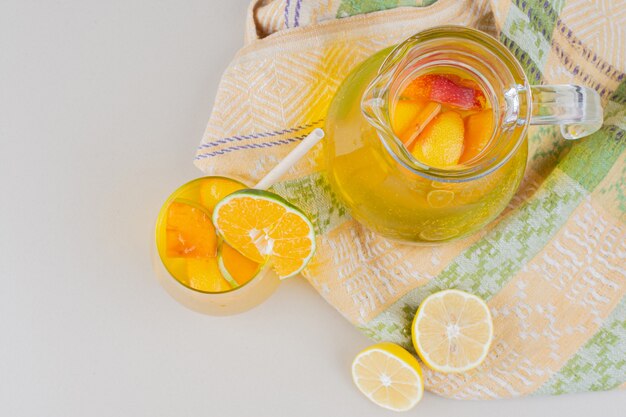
264,227
440,144
189,231
204,275
214,189
478,130
236,268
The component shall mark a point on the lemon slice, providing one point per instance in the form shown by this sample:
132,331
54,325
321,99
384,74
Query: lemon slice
389,376
452,331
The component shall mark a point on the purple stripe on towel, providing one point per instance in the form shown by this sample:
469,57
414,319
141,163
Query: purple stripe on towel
257,135
252,146
287,14
297,18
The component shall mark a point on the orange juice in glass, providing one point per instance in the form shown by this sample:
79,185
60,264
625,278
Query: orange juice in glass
194,265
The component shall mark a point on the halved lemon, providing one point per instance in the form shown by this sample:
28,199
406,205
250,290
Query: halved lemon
262,226
389,376
452,331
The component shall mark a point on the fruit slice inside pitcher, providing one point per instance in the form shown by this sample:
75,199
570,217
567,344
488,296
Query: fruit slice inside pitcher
188,243
443,118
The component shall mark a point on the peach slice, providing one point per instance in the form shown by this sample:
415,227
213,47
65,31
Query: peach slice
189,231
423,118
445,89
440,145
478,130
404,112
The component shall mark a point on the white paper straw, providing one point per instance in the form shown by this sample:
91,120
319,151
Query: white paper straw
283,166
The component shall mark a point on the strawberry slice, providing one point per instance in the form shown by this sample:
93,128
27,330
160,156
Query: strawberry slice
446,89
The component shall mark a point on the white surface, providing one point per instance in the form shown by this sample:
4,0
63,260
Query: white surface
102,104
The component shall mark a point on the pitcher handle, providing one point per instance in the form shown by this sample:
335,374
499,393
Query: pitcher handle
575,108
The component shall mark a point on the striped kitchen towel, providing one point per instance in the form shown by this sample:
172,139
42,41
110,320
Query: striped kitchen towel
553,267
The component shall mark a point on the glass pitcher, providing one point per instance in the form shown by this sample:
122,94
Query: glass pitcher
391,192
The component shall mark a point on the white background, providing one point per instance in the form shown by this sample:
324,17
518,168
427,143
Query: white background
102,104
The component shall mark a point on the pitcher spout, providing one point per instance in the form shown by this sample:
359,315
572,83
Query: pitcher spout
373,109
375,100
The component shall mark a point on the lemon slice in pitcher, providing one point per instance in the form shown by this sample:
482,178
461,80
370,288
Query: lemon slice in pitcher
262,226
389,376
452,331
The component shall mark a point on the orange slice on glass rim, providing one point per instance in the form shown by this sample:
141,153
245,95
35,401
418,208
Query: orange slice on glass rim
262,226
